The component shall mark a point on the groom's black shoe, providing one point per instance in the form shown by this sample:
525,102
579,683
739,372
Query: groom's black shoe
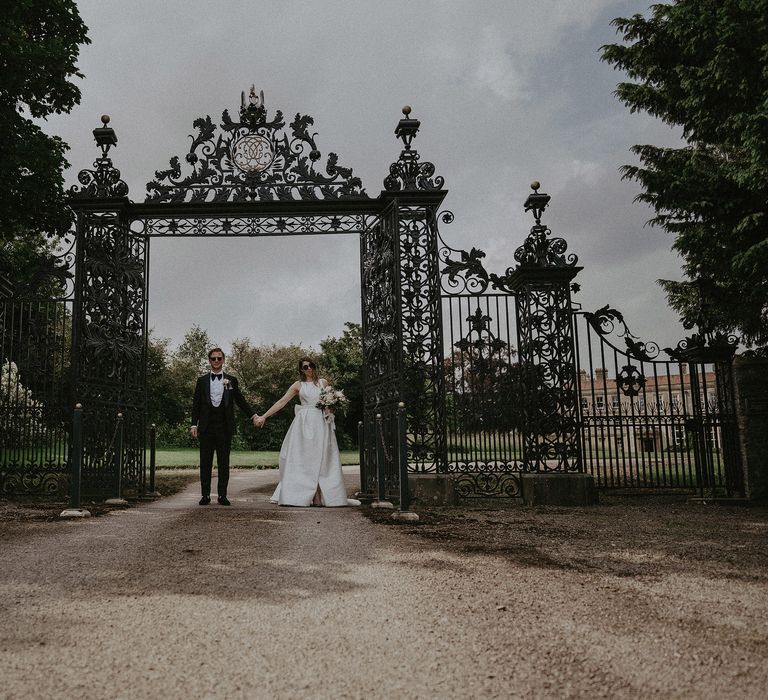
205,500
224,501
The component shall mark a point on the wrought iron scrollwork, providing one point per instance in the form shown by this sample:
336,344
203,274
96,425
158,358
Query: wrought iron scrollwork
113,297
110,334
539,250
712,347
605,321
485,343
254,160
407,173
104,180
421,336
253,226
380,296
548,369
465,275
630,380
488,485
707,344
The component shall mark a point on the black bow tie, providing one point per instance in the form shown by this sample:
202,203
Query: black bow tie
215,376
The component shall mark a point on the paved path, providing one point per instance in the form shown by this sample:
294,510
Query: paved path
172,600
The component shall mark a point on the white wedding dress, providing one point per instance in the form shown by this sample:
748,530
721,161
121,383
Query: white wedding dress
309,456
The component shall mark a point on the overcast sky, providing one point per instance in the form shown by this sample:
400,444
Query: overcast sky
507,92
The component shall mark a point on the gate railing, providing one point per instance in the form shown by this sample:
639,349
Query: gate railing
483,386
34,395
652,423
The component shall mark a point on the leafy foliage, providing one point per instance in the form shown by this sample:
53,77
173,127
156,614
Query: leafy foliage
483,389
703,65
39,46
171,378
265,373
342,364
21,410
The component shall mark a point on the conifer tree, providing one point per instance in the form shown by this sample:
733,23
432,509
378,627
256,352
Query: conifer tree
702,65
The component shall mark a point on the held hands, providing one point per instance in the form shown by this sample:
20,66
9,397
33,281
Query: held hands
193,430
258,422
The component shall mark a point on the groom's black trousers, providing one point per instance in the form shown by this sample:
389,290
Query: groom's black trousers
216,438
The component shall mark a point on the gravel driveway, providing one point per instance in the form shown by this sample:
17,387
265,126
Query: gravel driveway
172,600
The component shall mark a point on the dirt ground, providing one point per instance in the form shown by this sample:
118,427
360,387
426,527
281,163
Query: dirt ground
635,536
637,597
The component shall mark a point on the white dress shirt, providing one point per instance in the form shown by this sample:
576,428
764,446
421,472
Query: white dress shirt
217,390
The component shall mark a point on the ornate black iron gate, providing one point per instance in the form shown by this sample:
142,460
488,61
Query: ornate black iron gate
487,365
252,178
510,364
35,391
651,423
565,398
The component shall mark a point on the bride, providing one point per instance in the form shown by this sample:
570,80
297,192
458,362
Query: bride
310,465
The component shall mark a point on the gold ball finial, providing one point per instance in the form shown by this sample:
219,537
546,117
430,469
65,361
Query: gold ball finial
535,185
105,119
407,110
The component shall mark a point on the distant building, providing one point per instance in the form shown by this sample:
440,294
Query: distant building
652,419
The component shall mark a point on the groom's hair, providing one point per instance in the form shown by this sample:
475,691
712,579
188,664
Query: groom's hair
213,350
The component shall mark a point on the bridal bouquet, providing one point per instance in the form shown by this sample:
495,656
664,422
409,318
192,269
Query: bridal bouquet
333,399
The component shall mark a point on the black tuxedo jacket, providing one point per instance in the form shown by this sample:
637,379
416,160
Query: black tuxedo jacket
201,404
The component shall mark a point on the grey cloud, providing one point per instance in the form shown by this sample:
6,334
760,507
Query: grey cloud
506,91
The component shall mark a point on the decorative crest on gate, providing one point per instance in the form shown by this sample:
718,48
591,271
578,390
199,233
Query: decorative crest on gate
253,159
607,320
707,344
104,181
407,173
539,250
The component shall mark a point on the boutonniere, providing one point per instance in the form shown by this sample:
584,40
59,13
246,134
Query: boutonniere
226,383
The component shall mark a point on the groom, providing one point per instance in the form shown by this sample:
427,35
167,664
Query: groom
213,422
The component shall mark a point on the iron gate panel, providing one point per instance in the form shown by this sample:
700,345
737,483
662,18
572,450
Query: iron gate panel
483,395
527,407
35,407
421,324
382,354
653,423
109,349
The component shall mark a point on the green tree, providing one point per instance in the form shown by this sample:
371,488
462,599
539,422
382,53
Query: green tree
39,45
167,407
703,65
341,362
30,267
265,373
176,374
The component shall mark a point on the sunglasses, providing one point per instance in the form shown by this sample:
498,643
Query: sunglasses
307,366
217,359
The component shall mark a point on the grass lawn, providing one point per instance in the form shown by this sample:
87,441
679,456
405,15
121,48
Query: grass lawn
181,457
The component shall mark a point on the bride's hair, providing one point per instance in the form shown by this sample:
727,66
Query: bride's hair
312,365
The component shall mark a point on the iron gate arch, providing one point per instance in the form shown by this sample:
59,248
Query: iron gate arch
488,365
249,177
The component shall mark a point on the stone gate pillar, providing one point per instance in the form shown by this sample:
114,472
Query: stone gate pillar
551,437
108,325
752,411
